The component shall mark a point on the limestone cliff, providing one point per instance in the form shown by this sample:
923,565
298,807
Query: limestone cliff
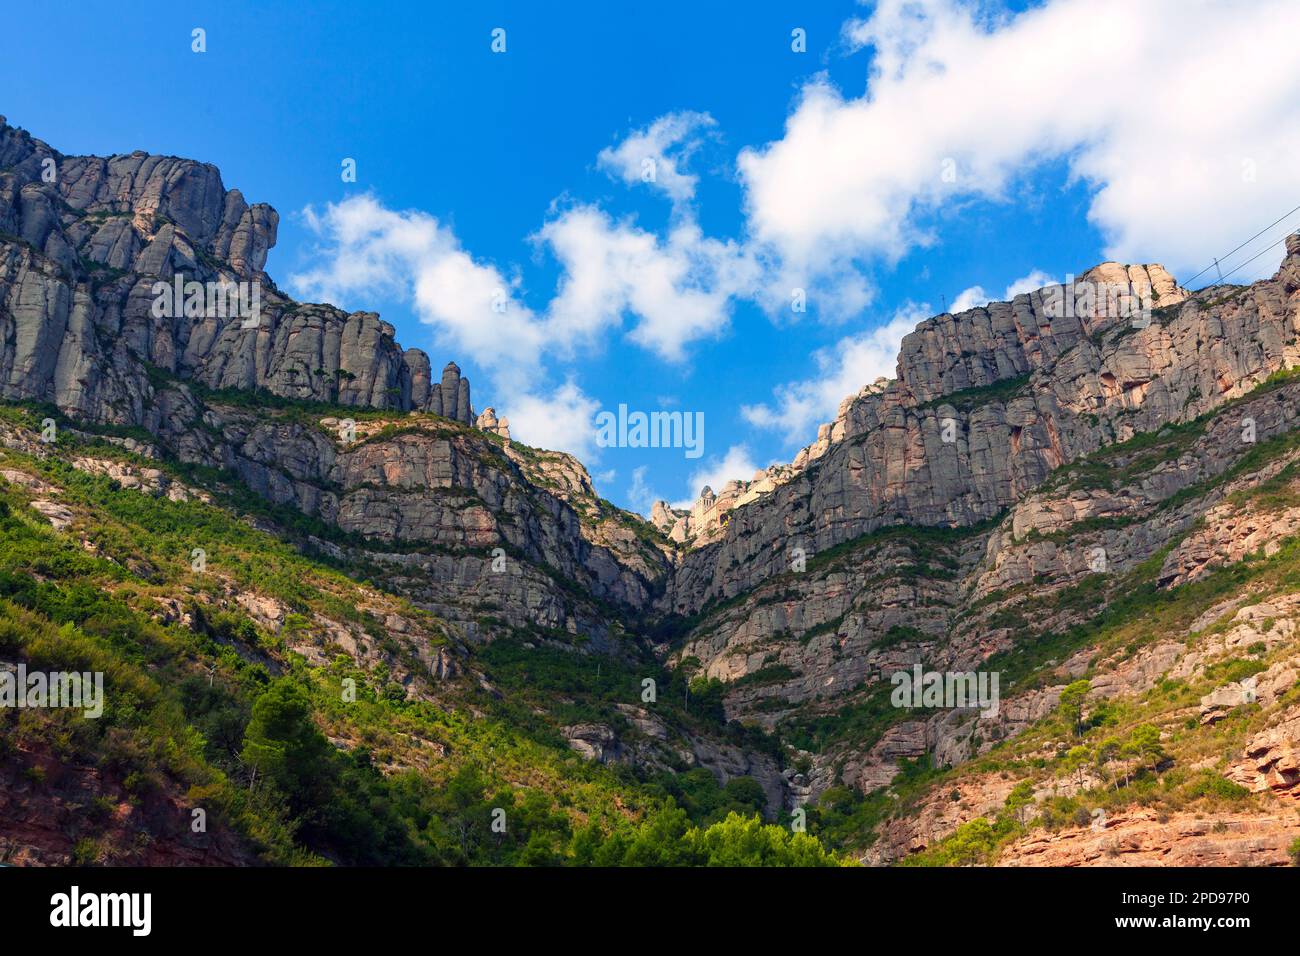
1054,494
87,243
84,241
1022,393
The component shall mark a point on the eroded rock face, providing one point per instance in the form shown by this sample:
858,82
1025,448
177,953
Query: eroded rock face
488,537
807,599
493,538
1271,762
1046,391
825,634
83,259
1145,838
1002,340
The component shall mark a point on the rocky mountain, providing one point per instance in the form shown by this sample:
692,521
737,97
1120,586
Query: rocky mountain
90,238
83,257
1085,459
1094,500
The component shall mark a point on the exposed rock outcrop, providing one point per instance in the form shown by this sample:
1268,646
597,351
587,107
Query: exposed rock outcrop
990,402
1143,838
86,245
922,527
489,422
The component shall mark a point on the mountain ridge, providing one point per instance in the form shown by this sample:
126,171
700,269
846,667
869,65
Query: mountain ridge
947,519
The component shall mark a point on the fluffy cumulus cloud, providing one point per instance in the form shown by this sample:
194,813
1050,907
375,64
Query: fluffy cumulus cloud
367,248
962,101
975,296
560,420
842,370
674,290
677,288
657,155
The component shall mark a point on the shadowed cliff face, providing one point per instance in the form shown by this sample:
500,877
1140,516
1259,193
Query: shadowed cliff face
950,518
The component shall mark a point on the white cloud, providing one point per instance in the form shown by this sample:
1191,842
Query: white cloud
1133,96
678,288
843,370
1036,280
657,154
369,248
737,463
971,298
560,421
976,297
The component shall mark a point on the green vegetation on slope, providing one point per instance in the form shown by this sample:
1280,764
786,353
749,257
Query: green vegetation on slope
213,711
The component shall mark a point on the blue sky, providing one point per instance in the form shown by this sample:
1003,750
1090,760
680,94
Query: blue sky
1073,131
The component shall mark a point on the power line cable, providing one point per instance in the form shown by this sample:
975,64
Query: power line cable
1248,261
1242,246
